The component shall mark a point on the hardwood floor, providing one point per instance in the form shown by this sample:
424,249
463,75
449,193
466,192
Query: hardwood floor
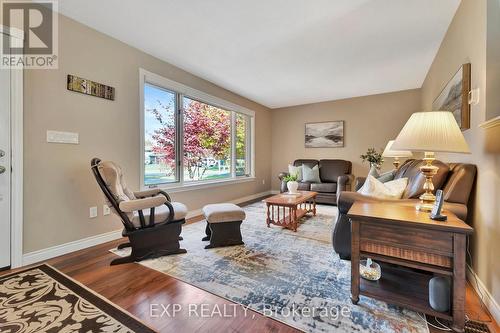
135,287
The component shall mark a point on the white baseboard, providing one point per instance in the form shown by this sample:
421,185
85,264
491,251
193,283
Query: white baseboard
480,289
59,250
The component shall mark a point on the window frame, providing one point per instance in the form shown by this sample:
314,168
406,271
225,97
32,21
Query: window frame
181,90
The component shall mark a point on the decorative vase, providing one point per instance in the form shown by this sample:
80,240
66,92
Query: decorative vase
292,187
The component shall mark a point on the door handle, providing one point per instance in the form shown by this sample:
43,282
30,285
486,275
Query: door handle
2,153
2,169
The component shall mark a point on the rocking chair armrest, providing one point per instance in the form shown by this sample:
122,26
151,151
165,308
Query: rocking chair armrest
140,204
166,195
147,193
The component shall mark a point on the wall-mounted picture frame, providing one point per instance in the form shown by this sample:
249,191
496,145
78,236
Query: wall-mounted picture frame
328,134
89,87
455,97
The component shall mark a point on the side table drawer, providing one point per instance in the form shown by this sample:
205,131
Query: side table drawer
407,254
415,239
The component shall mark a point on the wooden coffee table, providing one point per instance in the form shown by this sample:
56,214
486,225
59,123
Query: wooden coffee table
285,210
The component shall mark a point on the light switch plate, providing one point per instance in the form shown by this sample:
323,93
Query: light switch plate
106,210
93,212
62,137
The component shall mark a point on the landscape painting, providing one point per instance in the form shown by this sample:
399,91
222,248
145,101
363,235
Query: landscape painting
454,97
325,135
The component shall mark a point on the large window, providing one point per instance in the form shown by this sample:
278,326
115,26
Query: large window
190,137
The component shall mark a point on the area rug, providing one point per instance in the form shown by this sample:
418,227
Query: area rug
42,299
294,277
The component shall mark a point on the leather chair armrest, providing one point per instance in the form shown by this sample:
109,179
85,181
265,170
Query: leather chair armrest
359,183
344,183
140,204
147,193
460,210
282,175
346,199
282,182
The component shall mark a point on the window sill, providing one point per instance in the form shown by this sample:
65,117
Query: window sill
201,185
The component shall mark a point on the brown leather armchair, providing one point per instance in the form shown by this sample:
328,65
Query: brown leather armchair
455,179
335,176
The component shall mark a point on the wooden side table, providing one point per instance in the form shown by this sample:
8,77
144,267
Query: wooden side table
402,239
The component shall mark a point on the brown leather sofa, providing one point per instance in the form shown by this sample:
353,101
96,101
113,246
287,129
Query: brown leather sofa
335,176
455,179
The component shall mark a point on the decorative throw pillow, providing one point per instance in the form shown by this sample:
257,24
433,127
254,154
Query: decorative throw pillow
390,190
373,171
387,176
293,170
310,174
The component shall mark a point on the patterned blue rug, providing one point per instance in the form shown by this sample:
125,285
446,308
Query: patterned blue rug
295,278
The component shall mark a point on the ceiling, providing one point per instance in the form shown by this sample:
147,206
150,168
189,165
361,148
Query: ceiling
282,52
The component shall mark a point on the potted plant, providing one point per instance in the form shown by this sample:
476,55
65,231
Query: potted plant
373,157
291,183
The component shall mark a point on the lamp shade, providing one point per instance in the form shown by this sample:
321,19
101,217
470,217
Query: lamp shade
435,131
389,152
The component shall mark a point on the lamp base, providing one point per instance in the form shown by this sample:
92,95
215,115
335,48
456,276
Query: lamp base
396,163
428,198
424,207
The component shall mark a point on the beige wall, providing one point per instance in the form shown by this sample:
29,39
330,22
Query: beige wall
59,187
493,59
370,121
465,42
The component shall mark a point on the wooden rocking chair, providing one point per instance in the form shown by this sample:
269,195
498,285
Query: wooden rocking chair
151,221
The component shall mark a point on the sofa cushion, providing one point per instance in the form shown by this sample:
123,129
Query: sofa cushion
324,187
161,214
330,170
304,186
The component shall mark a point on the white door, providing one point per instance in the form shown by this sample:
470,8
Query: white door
5,167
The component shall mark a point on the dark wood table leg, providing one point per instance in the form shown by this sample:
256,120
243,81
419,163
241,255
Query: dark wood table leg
459,248
268,220
314,206
354,262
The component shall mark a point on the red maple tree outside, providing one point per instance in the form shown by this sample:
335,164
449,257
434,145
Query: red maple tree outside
207,134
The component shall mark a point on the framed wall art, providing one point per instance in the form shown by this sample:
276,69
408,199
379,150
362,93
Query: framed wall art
328,134
89,87
455,97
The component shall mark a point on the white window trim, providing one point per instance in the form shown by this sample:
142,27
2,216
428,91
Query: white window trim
180,186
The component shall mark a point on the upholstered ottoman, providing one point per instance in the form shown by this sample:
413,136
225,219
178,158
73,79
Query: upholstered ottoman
223,224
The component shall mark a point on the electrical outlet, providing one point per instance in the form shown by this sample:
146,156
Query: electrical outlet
93,212
106,210
263,182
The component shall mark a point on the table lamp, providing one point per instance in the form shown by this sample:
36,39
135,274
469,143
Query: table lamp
396,154
429,132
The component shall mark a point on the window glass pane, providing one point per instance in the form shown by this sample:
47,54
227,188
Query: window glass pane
241,144
160,136
207,141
